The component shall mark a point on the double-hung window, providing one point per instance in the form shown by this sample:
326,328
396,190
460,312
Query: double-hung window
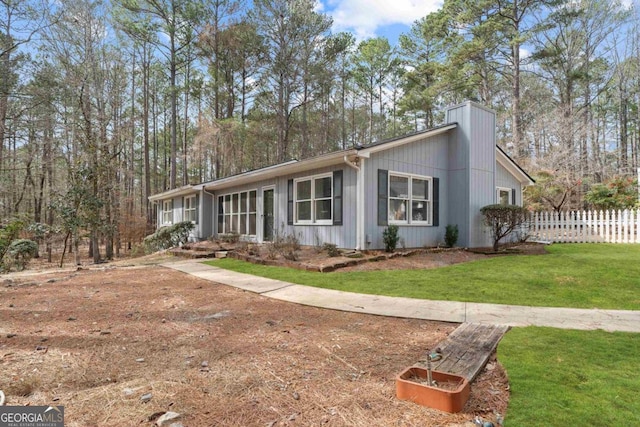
410,200
314,200
503,195
190,209
237,213
167,212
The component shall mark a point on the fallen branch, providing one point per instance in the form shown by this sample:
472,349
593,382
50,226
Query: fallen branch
339,358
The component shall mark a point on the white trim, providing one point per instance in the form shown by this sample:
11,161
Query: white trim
167,211
509,192
192,207
361,244
410,199
507,163
236,215
181,191
280,170
312,200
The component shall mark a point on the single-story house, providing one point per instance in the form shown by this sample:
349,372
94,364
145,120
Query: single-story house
421,182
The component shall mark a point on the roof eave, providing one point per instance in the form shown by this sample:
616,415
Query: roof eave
515,169
366,151
180,191
281,169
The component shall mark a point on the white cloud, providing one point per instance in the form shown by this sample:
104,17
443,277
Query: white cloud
364,17
627,4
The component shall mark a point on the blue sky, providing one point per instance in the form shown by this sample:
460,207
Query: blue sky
370,18
389,18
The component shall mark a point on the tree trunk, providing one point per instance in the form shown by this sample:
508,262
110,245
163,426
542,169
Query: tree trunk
185,171
174,108
145,130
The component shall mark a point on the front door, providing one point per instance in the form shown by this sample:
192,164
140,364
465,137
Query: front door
267,215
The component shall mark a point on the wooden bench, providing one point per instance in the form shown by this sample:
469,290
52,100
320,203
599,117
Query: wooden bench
466,350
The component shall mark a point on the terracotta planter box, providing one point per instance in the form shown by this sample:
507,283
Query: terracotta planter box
449,399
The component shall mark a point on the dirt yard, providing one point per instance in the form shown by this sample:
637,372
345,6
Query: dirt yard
103,340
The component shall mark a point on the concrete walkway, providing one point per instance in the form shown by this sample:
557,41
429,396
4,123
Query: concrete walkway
446,311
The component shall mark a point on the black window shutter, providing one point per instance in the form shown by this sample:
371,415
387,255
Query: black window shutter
290,202
337,197
436,202
513,196
383,214
197,207
220,214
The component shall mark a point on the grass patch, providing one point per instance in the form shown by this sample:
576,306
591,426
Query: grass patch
571,275
571,378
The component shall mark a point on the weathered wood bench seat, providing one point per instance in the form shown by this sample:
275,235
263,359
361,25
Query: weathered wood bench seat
466,350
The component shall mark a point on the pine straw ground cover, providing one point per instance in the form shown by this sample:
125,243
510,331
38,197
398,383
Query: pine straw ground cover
97,340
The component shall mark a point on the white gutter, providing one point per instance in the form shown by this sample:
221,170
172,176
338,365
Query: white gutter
214,211
359,203
181,191
360,218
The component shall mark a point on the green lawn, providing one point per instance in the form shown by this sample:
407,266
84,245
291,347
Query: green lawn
571,378
557,377
603,276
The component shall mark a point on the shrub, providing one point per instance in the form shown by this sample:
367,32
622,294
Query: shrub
21,251
618,193
8,233
503,220
390,238
285,244
332,249
168,237
242,247
288,245
451,235
231,238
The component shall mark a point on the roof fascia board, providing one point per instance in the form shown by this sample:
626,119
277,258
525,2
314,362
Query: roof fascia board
180,191
366,152
280,170
511,166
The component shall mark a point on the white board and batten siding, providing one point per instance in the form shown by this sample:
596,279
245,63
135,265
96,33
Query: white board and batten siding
615,226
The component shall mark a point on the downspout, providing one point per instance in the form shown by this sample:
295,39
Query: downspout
359,200
214,212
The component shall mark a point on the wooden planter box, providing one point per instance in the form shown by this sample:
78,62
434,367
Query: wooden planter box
448,400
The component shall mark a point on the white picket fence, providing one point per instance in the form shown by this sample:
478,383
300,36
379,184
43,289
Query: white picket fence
621,226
